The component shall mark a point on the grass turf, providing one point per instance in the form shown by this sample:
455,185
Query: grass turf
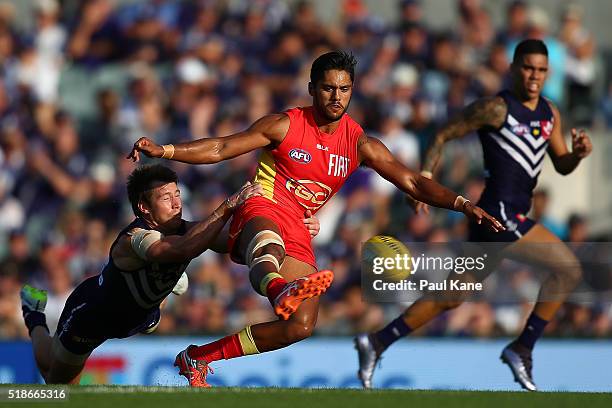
175,397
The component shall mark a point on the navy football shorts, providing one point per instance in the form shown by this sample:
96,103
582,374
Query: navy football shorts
87,321
517,224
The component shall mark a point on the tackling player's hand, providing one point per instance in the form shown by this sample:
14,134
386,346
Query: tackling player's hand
247,191
146,146
480,216
312,223
581,143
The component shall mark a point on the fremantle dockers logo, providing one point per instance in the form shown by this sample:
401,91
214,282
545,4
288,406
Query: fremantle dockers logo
310,194
300,156
547,128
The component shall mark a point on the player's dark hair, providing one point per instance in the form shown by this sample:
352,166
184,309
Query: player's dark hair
142,180
529,46
339,60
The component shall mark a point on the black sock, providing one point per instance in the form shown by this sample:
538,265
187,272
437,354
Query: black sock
33,319
392,332
532,331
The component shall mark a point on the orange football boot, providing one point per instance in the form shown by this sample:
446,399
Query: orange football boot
194,370
297,291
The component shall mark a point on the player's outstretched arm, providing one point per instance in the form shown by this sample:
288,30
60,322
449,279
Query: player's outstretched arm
150,245
201,235
565,161
376,155
270,129
482,113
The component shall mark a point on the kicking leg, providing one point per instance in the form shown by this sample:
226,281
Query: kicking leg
193,362
263,251
281,333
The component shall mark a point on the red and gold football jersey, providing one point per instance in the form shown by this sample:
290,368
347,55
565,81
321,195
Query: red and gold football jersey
309,166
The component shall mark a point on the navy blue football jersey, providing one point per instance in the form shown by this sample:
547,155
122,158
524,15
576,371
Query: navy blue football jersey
143,288
514,153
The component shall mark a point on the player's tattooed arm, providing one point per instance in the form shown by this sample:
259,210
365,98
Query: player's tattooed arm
269,130
483,113
563,160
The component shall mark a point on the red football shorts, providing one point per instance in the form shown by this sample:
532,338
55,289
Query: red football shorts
292,229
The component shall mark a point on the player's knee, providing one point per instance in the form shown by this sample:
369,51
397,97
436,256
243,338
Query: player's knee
570,274
271,255
266,246
275,250
298,331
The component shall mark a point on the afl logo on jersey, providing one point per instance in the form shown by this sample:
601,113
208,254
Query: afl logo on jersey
521,129
300,156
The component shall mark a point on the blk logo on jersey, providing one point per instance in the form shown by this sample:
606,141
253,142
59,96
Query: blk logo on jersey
310,194
300,156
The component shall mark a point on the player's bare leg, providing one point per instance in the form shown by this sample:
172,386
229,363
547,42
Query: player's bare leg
263,250
48,351
565,273
41,345
430,306
281,333
292,290
558,259
370,346
64,373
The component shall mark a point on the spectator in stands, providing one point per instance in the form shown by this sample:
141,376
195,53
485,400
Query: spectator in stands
580,67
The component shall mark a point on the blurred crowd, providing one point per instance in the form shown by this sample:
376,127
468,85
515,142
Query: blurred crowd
92,76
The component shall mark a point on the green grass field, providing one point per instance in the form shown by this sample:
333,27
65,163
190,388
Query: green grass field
174,397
